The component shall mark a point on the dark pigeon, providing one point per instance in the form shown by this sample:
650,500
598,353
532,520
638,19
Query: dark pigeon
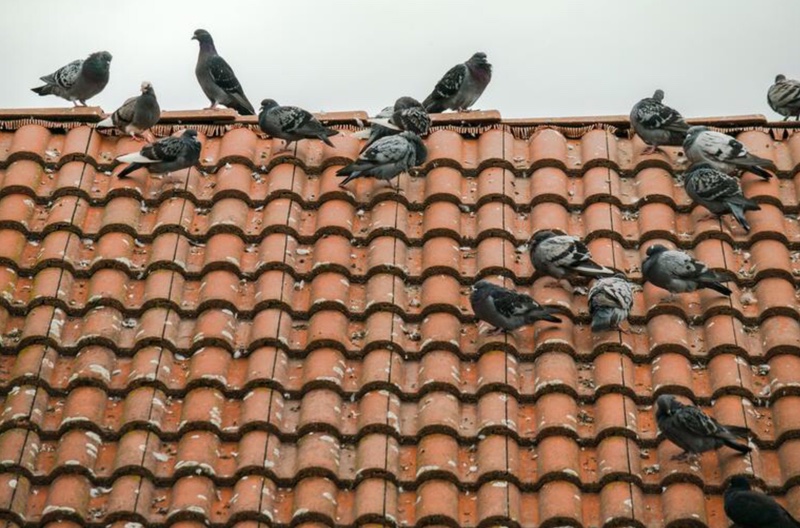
407,114
677,272
718,192
291,123
694,431
724,153
784,97
461,86
165,155
387,158
562,256
750,509
658,124
79,80
217,79
610,302
137,114
507,310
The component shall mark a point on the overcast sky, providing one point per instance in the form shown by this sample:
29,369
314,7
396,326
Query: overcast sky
553,58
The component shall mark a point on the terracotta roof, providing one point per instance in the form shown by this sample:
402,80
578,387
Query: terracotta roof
249,343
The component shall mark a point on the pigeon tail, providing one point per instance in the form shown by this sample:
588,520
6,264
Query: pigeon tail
742,448
47,89
543,313
107,122
738,205
760,172
241,105
433,106
590,268
129,169
716,286
135,157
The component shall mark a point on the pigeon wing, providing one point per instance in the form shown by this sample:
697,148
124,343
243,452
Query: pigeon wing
65,76
695,421
166,149
679,264
449,85
386,150
511,304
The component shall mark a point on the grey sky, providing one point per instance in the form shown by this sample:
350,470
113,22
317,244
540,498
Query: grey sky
554,58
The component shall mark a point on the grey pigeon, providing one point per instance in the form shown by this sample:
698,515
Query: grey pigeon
217,79
505,309
723,152
694,431
658,124
562,256
750,509
718,192
407,114
165,155
79,80
387,158
784,97
137,114
291,123
461,86
677,272
610,302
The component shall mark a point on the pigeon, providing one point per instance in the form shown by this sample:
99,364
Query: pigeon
507,310
165,155
610,302
677,272
562,256
137,114
461,86
79,80
723,152
407,114
217,79
658,124
694,431
291,123
718,192
784,97
750,509
387,158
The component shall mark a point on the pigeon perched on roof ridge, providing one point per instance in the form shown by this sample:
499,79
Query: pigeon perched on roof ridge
610,302
137,114
718,192
751,509
461,86
724,153
291,123
165,155
79,80
216,77
387,158
563,256
506,309
658,124
678,272
407,114
784,97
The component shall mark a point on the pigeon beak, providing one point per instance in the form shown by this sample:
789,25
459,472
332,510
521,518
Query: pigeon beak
194,37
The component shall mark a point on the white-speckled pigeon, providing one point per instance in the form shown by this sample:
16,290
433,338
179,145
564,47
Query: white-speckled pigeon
505,309
694,431
784,97
751,509
408,114
658,124
291,123
387,158
137,114
610,302
718,192
723,152
79,80
562,256
461,86
165,155
678,272
217,79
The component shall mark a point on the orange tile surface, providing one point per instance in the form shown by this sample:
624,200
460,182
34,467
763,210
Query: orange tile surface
246,343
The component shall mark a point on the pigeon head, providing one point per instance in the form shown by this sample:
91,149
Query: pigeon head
659,95
203,37
667,404
541,236
780,77
655,249
266,104
189,133
692,134
147,87
479,57
406,102
483,286
478,63
98,63
420,151
739,483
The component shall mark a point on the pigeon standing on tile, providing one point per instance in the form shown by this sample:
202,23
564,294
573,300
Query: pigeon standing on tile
461,86
291,123
718,192
387,158
610,302
694,431
723,152
217,79
79,80
165,155
658,124
563,256
407,114
750,509
677,272
137,114
507,310
784,97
